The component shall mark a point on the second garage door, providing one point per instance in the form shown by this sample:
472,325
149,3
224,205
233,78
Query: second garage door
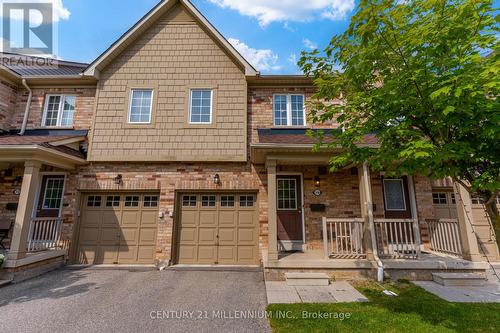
118,228
220,229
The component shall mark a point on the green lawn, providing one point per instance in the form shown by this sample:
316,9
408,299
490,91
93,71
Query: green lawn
414,310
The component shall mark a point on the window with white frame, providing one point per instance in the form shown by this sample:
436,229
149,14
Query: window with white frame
200,106
394,195
289,110
52,197
59,110
141,105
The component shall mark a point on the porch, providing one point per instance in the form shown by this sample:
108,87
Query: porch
33,180
356,223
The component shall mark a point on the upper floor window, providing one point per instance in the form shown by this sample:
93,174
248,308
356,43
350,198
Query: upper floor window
200,106
59,110
289,110
141,105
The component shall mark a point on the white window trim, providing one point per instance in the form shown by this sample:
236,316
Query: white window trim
404,196
289,110
296,193
439,198
59,111
150,106
45,192
211,106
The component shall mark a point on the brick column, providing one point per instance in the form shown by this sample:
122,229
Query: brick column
470,247
31,179
272,254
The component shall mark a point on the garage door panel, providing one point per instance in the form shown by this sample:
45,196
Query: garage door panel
89,236
147,236
148,218
246,218
208,218
87,254
227,218
223,233
129,236
131,219
188,235
246,235
207,254
110,236
145,253
227,255
93,218
207,235
107,254
127,254
110,218
227,236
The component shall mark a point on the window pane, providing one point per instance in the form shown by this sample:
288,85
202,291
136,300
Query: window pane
151,201
201,106
132,201
113,201
227,201
394,194
53,193
141,106
68,111
297,110
247,200
208,201
189,201
52,111
287,191
280,118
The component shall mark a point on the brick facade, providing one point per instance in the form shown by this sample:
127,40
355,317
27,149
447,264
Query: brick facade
8,96
82,119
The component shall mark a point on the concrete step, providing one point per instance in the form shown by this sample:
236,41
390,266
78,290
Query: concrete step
4,283
307,279
459,279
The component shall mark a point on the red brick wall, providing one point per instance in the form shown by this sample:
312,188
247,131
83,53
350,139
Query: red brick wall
260,108
83,113
8,95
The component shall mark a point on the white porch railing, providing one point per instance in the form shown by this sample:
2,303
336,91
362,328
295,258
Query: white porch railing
397,238
343,238
444,236
44,234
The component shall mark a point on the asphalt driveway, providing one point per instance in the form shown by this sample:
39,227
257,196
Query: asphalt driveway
125,301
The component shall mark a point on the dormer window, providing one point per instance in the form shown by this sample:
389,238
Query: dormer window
59,111
289,110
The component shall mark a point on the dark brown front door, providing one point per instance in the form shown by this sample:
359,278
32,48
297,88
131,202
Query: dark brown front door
289,208
51,196
396,198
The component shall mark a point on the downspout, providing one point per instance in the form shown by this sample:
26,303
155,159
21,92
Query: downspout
27,110
371,224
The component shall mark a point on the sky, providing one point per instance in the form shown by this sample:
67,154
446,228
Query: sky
269,33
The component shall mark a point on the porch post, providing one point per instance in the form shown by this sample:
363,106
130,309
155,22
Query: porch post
31,177
414,214
470,246
366,206
272,254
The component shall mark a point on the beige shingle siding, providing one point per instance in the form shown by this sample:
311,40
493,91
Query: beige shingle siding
174,55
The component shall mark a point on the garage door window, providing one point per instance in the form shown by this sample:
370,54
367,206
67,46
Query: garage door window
227,201
150,201
439,198
94,201
131,201
113,201
189,201
246,200
208,200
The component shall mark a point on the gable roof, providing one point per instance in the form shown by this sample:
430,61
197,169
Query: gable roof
148,20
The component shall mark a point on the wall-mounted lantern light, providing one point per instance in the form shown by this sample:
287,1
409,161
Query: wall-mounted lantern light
317,181
217,179
119,179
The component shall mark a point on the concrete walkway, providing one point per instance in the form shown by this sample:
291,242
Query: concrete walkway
489,293
279,292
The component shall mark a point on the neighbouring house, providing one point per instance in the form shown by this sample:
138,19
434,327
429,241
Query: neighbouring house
170,148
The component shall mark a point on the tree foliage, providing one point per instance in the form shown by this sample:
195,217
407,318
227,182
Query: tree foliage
423,76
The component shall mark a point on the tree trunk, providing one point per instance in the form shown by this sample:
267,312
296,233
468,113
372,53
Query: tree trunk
492,210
